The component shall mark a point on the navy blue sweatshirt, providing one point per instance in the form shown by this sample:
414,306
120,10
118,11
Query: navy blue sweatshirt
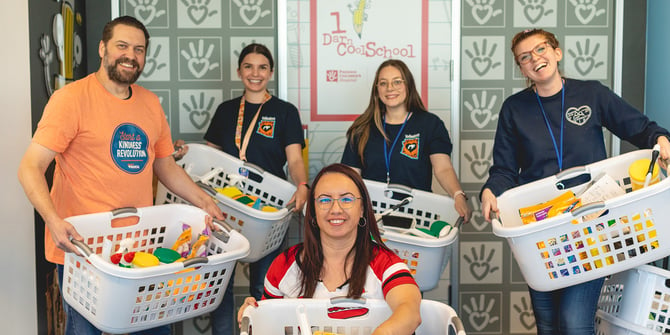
524,151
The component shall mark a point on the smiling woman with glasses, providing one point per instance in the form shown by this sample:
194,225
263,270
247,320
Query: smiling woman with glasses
343,254
397,140
553,125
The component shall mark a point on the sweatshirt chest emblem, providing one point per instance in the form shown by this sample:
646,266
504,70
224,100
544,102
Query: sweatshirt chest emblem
578,115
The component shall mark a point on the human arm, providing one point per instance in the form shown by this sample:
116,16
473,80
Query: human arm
296,167
33,165
178,181
446,176
405,303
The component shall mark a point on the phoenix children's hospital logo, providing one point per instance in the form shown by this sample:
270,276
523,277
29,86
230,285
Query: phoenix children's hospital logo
129,148
410,146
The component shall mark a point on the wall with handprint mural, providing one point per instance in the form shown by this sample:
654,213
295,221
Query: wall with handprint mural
493,297
192,66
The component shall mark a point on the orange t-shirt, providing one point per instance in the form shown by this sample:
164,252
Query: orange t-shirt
106,148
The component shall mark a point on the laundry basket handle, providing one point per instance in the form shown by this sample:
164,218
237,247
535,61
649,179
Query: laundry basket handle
588,208
83,247
124,212
210,190
345,300
244,326
457,323
255,167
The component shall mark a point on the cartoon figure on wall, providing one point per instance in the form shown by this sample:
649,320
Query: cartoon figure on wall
67,51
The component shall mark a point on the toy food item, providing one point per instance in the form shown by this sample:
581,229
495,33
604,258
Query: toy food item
166,256
564,203
269,209
199,247
127,259
183,243
229,191
144,259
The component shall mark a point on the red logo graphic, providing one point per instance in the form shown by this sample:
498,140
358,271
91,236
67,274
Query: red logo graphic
410,148
266,128
342,313
331,75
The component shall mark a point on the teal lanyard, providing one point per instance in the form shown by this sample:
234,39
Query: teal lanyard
559,152
387,154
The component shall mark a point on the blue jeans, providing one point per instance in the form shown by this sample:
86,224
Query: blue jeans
567,311
224,317
76,324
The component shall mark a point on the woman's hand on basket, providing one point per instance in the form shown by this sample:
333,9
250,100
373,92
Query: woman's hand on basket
489,204
664,156
463,208
61,233
300,198
248,301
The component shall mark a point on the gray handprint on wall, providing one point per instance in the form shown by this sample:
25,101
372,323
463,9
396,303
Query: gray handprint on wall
198,111
146,10
587,10
482,58
483,10
198,10
585,59
534,10
151,64
481,109
251,10
526,316
480,264
479,314
479,161
198,62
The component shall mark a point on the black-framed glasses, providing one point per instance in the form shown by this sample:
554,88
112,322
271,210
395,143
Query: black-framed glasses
383,84
526,57
346,201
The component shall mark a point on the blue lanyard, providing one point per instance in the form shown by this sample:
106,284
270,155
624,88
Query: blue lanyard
387,154
559,153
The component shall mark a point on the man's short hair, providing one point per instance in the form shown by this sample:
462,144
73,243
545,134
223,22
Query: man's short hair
125,20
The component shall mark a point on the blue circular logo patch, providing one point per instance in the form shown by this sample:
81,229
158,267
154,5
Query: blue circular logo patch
129,148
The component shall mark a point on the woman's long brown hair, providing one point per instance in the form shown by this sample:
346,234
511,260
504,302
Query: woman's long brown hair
360,128
366,238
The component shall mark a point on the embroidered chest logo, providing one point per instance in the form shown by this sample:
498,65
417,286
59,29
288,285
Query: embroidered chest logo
266,127
578,115
410,146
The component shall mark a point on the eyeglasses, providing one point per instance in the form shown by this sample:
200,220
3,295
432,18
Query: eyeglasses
326,202
526,57
394,83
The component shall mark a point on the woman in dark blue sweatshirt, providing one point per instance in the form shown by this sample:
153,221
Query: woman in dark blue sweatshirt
555,124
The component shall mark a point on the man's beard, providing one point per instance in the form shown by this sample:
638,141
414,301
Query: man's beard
122,77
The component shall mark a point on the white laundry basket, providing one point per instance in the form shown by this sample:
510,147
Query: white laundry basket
562,251
212,168
640,296
340,316
121,300
426,257
607,324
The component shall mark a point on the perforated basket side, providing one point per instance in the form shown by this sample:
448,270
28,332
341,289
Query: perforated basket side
640,296
119,300
264,230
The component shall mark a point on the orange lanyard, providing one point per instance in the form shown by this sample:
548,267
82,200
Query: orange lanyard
242,145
